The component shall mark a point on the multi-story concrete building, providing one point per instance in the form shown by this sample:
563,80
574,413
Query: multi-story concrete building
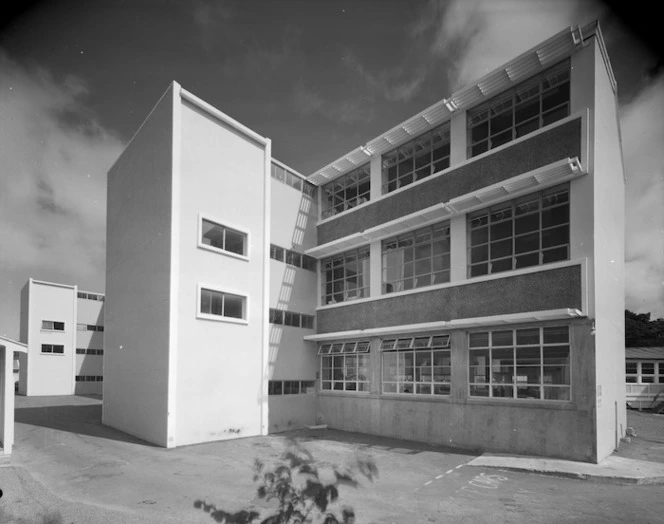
464,268
63,329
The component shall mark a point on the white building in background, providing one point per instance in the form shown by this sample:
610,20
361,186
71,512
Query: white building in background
63,329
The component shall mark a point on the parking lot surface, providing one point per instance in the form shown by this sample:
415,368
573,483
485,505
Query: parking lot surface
66,463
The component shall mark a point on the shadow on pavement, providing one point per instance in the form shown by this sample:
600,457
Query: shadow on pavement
365,441
82,419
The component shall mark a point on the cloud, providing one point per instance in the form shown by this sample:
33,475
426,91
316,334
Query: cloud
398,84
480,35
643,135
54,158
350,111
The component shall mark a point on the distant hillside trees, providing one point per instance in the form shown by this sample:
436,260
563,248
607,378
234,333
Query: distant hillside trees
640,331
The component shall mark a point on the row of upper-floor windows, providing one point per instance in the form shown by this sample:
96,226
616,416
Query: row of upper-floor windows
292,258
88,351
533,104
90,296
289,178
524,232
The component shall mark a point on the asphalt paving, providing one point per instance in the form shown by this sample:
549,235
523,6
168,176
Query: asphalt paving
69,468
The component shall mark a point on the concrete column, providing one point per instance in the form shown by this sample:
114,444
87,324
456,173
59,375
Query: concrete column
375,269
459,354
458,138
376,177
458,249
375,367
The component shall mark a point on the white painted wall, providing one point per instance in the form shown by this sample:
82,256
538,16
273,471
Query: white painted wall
138,264
50,373
609,214
293,226
219,384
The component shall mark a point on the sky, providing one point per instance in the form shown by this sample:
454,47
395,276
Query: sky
319,77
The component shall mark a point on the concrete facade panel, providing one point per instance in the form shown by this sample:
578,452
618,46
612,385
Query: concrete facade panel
291,412
538,291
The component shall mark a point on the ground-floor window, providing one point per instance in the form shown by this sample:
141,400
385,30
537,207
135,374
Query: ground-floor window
290,387
417,365
529,363
638,372
345,366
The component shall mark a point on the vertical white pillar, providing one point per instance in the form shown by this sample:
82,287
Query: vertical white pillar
376,177
458,248
375,269
458,138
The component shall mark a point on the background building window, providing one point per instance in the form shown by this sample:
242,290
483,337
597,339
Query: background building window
291,387
53,325
222,304
417,365
52,349
223,238
425,155
347,191
416,259
346,276
533,104
644,372
345,366
529,231
529,363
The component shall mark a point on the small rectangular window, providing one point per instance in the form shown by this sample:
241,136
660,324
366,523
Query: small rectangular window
292,319
221,304
53,349
276,253
53,325
293,258
307,321
80,351
276,316
223,238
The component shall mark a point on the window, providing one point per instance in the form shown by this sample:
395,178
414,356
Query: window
535,103
91,327
425,155
223,238
277,253
293,258
53,325
291,318
221,304
346,276
416,259
52,349
529,363
529,231
347,191
644,372
291,179
90,296
417,365
345,366
291,387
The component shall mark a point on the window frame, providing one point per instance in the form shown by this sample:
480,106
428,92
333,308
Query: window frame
485,220
225,291
415,347
330,207
412,236
359,292
515,384
360,350
408,151
52,349
54,325
509,99
657,375
226,226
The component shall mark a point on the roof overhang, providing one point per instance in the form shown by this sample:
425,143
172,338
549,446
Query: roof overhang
540,178
544,55
13,345
442,325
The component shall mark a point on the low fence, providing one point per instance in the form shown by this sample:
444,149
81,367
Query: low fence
640,396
